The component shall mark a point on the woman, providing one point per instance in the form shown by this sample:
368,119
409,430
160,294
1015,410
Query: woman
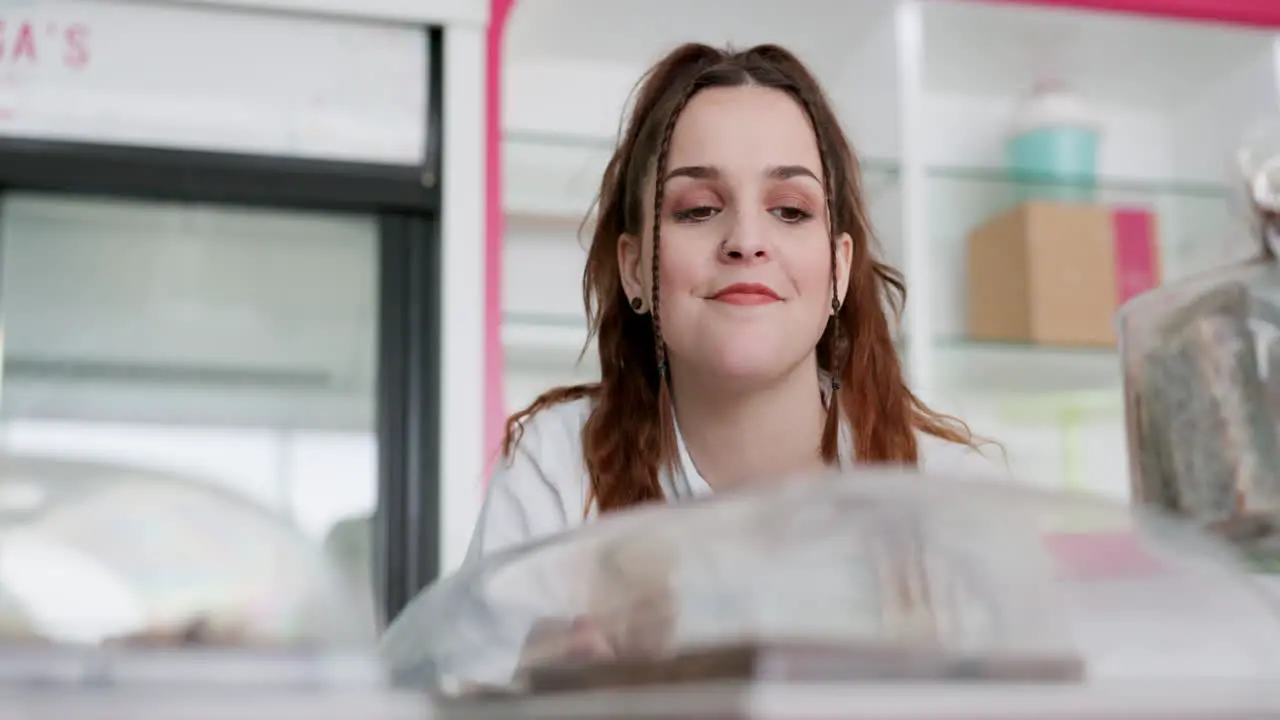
740,312
743,328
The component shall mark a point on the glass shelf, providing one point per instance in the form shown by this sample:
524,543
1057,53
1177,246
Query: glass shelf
1146,187
1014,386
1201,224
1027,382
547,340
1057,414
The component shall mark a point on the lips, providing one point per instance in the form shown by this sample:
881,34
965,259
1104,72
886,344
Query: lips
746,294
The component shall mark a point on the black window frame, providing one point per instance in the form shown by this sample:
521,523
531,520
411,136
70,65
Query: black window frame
407,203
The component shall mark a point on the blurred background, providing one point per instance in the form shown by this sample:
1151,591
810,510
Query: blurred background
314,251
1028,166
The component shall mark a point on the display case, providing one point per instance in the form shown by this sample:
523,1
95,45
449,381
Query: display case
1170,100
884,593
127,593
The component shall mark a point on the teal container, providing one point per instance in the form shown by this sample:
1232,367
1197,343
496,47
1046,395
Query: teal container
1054,163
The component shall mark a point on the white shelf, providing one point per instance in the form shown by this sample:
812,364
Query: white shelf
994,369
1027,384
551,179
547,342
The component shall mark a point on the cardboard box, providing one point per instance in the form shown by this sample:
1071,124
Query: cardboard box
1054,274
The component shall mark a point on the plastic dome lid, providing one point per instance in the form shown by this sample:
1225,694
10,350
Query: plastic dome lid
962,578
111,570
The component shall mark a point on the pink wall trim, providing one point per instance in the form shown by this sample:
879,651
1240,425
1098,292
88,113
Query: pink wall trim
494,362
1260,13
1265,13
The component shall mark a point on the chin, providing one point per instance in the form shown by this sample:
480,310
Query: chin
747,366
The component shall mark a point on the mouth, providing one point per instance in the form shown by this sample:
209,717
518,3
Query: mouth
746,294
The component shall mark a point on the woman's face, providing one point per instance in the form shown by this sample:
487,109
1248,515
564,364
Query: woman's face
745,261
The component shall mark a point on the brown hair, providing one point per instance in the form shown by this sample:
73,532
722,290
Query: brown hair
630,435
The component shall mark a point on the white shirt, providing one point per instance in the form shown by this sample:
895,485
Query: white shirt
544,487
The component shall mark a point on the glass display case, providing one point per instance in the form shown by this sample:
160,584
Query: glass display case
885,591
129,593
1202,399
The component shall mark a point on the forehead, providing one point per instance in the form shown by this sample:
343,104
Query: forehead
743,130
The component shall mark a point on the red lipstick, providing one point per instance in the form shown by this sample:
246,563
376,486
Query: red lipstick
746,294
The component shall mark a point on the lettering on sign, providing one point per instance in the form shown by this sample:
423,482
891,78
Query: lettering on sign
37,43
86,71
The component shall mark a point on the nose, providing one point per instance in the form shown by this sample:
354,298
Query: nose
745,240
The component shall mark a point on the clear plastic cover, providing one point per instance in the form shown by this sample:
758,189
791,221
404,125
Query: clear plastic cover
1202,381
877,577
114,576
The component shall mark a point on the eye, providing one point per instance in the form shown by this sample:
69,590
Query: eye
697,214
791,215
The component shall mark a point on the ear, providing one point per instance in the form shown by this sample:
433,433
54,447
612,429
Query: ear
844,265
631,273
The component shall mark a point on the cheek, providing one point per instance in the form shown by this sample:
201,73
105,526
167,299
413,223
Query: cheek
810,270
683,271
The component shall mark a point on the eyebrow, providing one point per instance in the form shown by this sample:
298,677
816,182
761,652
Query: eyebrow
776,172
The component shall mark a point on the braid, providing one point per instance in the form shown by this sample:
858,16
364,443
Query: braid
666,410
659,188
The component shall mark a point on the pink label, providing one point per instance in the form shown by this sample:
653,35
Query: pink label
1100,555
1137,263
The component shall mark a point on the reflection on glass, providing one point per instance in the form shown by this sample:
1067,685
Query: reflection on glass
94,553
229,350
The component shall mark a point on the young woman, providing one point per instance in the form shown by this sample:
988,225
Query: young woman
742,318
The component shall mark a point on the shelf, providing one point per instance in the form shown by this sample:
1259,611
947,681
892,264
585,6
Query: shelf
1107,189
550,180
973,367
1200,223
546,341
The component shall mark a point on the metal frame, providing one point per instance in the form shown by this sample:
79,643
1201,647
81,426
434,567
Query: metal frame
407,202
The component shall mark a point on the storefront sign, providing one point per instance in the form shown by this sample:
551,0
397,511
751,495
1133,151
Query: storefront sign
212,79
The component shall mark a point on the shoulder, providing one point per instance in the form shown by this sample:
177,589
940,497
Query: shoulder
541,486
986,460
553,434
